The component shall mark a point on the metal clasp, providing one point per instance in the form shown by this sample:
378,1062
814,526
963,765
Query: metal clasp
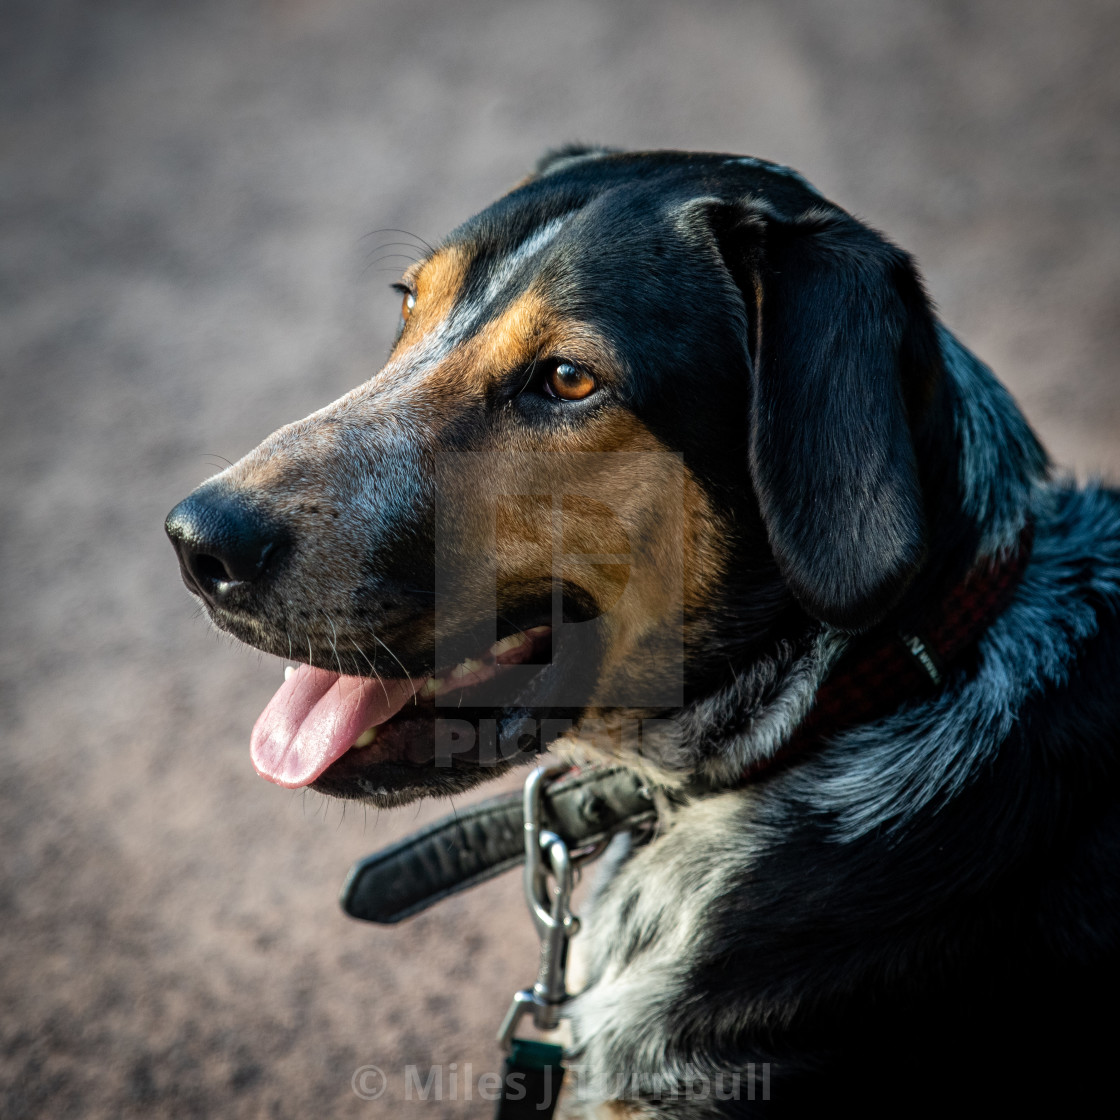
547,861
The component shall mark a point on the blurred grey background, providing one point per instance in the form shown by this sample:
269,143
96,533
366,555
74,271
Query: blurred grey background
187,190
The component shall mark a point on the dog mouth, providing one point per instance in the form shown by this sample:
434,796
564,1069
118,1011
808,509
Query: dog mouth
321,722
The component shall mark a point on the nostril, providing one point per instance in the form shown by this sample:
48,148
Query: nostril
222,541
238,565
210,569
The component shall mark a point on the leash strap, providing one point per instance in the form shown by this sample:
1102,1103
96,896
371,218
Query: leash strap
534,1071
484,840
531,1079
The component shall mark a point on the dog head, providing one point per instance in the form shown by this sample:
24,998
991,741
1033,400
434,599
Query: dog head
654,425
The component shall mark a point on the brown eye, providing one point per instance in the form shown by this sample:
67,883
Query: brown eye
408,299
567,382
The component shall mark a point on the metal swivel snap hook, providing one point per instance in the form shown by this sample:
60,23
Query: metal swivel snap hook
547,861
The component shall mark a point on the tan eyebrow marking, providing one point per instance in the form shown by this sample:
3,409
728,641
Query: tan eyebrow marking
438,282
528,329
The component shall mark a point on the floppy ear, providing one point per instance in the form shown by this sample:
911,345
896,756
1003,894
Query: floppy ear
843,352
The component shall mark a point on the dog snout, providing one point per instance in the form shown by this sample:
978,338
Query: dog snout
223,542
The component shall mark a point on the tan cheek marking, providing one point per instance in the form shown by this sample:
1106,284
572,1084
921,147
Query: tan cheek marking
632,508
523,537
590,527
682,565
642,507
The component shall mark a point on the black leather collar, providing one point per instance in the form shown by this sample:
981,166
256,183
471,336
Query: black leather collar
586,808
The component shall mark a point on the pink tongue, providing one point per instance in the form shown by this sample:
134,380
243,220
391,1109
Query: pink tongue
314,719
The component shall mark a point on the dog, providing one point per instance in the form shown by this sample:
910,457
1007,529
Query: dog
667,440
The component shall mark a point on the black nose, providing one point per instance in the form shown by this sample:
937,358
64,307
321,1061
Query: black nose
222,541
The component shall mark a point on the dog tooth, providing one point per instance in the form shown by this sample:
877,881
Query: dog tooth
429,688
514,641
366,737
288,671
467,668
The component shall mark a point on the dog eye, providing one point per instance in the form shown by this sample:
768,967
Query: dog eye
409,300
567,382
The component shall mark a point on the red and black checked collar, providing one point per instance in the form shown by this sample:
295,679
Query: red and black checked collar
874,679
